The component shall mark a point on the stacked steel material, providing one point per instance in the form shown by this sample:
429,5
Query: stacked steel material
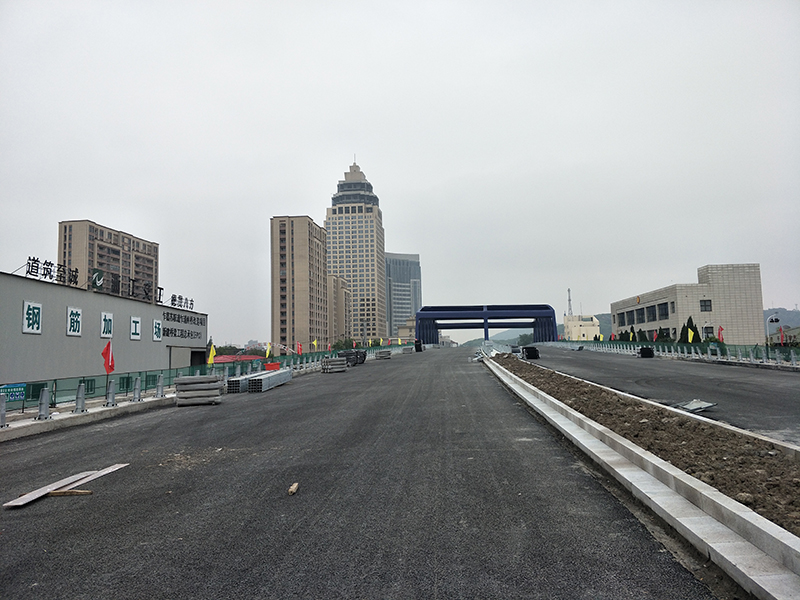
266,381
237,385
334,365
198,389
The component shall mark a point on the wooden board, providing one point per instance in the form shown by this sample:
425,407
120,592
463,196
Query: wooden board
70,493
36,494
94,475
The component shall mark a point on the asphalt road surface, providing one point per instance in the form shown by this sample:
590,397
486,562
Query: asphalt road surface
419,477
764,401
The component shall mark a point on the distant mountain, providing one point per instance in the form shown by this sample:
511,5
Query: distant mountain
786,318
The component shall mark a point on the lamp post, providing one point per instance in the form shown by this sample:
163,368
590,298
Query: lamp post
773,318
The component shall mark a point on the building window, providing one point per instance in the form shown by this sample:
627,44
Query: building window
672,307
621,319
705,305
640,315
708,331
663,311
651,313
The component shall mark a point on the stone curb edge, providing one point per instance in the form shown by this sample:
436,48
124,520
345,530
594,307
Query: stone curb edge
24,427
760,556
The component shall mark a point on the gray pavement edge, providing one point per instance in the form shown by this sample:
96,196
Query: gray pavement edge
760,556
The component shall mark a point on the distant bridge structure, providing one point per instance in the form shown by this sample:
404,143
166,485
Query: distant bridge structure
540,318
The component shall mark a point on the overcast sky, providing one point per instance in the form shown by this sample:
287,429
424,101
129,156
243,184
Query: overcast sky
520,148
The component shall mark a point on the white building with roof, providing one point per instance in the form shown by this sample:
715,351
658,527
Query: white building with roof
725,300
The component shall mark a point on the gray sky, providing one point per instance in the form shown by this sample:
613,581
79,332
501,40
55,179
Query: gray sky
520,148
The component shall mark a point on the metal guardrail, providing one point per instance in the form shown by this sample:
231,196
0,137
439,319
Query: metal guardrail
22,396
713,351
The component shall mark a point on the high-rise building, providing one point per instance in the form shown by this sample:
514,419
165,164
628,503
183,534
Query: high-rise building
299,279
356,252
403,289
339,309
109,260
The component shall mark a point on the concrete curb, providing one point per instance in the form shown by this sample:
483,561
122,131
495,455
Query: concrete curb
22,427
760,556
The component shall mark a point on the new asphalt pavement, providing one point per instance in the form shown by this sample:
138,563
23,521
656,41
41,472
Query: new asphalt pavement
419,477
764,401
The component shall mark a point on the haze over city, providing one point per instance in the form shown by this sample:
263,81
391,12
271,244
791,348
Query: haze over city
519,148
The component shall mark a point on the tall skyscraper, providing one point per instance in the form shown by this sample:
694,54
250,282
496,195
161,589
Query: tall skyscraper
122,264
356,252
299,281
403,288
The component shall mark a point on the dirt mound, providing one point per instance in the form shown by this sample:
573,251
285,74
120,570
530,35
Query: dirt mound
754,472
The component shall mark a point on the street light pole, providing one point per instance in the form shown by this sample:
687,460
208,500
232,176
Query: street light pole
773,318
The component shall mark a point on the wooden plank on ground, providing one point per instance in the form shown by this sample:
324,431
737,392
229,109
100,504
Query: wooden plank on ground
36,494
70,493
94,475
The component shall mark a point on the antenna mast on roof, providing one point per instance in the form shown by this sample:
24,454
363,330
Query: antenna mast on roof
569,302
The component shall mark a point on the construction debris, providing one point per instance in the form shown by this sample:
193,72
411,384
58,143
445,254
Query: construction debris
69,493
694,406
64,485
293,488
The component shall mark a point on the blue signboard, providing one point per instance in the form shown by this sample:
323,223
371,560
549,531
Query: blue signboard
14,392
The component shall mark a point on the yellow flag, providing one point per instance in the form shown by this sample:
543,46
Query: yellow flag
691,336
601,337
211,354
315,344
269,349
381,341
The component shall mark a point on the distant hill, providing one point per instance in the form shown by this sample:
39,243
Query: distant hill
787,318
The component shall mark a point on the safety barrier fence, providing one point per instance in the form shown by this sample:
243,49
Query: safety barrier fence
713,351
22,396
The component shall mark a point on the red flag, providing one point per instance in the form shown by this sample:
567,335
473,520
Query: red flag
299,348
354,343
329,347
781,335
108,356
655,335
719,333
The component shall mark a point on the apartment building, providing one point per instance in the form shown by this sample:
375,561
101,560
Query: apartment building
299,284
110,261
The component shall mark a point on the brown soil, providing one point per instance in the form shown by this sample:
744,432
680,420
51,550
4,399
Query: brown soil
752,471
